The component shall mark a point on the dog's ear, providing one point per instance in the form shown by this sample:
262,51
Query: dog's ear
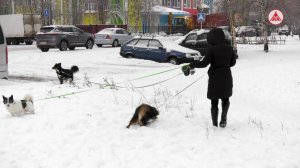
4,98
11,99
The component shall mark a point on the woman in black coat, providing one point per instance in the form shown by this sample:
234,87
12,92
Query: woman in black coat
221,57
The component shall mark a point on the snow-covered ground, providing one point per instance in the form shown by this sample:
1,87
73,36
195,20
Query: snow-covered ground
87,129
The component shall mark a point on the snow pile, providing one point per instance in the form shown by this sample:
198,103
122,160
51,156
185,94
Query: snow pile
87,127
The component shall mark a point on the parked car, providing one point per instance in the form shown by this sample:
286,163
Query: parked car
247,31
158,49
3,56
196,40
63,37
112,36
283,32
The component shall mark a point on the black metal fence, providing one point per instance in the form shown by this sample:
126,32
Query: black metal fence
158,29
163,30
96,28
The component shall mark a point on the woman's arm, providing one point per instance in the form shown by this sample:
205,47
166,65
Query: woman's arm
233,58
206,60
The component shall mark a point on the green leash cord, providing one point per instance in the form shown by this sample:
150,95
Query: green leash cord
105,85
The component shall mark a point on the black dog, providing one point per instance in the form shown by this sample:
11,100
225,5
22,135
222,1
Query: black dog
65,74
143,114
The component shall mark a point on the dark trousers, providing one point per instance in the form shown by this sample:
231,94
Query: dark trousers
215,110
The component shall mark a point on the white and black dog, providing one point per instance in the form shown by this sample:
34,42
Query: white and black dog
18,108
65,74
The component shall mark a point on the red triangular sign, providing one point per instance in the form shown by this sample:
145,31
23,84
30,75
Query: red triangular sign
275,17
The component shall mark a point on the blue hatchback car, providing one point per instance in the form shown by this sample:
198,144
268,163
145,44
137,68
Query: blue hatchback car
159,49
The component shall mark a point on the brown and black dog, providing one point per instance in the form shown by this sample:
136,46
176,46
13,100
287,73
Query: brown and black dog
143,114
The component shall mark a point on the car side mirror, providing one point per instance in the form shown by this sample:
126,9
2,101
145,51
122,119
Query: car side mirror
129,33
81,31
161,48
183,41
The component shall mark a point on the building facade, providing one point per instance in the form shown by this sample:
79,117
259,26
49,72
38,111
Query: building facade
190,6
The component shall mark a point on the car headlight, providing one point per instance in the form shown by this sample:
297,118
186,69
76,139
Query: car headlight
195,56
191,55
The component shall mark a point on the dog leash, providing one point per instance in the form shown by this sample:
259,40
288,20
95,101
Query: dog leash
185,88
116,85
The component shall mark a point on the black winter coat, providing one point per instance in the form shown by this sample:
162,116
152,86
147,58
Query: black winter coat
220,57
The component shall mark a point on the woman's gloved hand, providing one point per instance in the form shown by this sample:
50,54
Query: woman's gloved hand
186,69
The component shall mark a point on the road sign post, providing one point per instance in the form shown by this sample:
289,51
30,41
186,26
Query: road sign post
275,17
46,12
46,15
201,18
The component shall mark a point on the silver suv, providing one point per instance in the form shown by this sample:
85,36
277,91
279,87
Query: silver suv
3,56
63,37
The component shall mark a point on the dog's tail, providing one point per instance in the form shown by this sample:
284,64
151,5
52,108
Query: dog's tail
74,68
28,98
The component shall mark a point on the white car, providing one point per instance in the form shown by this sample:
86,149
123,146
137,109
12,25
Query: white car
3,56
112,36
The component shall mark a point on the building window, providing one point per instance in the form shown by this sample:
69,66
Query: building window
166,2
187,3
194,4
90,7
175,3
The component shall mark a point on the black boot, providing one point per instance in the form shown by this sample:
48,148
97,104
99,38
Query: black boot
225,107
214,117
214,112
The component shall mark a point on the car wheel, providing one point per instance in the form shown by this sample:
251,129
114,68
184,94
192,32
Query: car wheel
15,42
63,46
173,61
89,44
115,43
72,48
129,56
29,42
99,45
44,49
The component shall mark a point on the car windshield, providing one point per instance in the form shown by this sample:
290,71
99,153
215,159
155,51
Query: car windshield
46,29
171,45
106,31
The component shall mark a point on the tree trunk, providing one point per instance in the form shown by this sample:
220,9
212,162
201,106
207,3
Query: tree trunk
264,22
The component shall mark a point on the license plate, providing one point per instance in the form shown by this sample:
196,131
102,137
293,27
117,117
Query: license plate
43,42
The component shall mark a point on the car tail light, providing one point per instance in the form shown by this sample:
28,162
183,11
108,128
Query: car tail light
6,55
108,37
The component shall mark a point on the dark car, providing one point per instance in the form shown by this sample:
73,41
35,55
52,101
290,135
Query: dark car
196,40
247,31
63,37
283,32
159,49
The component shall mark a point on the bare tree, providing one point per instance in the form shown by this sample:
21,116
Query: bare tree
5,7
292,13
135,8
102,6
265,6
